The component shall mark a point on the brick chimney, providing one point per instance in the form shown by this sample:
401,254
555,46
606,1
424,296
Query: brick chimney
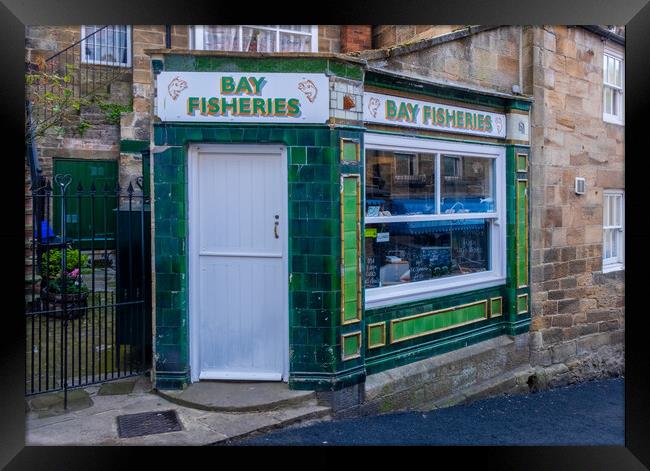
356,37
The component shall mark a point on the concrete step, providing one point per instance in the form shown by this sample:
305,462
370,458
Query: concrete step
231,396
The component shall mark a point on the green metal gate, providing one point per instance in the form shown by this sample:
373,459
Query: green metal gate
82,222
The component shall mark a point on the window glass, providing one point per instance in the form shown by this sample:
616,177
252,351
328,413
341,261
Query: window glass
406,252
262,38
400,183
221,38
108,45
258,40
467,184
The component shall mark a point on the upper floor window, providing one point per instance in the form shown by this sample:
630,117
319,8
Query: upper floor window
109,45
613,226
263,38
613,87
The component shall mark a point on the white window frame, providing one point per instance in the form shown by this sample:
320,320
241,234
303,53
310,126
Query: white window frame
619,116
197,36
85,60
408,292
614,263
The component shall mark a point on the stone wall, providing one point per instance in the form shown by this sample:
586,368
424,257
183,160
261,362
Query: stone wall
391,35
577,311
329,38
488,59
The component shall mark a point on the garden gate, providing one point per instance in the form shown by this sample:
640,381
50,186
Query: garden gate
87,300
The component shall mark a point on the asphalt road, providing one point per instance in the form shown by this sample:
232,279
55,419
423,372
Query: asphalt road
591,413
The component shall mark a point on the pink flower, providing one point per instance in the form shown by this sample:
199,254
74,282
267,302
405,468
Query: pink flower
74,273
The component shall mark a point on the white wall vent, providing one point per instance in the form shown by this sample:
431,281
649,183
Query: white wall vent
580,186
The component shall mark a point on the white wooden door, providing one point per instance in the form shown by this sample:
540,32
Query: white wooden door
239,290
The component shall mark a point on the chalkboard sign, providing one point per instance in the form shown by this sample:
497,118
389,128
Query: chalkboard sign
437,256
372,272
427,262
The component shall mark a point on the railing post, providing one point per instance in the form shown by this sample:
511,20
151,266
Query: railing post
63,181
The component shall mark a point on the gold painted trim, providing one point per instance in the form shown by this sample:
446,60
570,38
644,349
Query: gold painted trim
518,142
517,155
411,131
525,295
357,145
517,111
500,298
356,355
440,311
525,241
430,99
377,345
358,231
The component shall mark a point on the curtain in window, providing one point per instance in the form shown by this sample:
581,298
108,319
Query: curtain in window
221,38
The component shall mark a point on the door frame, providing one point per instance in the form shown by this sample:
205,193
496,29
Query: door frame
192,254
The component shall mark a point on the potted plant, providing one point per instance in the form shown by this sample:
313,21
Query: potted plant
65,287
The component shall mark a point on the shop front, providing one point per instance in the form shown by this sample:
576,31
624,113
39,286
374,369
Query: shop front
317,220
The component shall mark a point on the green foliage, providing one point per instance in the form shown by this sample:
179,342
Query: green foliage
82,126
72,285
113,111
51,261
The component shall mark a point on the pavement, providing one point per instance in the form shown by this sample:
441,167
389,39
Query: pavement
91,416
590,413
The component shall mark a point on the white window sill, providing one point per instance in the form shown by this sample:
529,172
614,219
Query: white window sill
400,294
611,119
613,267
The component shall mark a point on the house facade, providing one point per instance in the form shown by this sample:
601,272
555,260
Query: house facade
331,203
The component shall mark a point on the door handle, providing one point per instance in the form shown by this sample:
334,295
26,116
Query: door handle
275,227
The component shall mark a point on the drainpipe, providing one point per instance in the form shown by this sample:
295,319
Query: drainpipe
168,36
521,56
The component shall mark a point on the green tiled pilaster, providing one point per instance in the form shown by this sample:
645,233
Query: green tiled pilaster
350,233
170,219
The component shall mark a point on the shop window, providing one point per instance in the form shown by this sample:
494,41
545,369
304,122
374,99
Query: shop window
613,87
263,38
433,218
613,227
110,45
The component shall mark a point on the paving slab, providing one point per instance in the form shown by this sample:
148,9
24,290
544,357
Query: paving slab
237,396
116,387
97,424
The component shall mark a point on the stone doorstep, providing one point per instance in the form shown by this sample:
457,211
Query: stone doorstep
237,397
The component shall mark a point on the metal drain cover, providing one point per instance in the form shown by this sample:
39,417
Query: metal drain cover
147,423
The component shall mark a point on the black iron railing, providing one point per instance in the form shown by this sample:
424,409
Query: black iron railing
88,317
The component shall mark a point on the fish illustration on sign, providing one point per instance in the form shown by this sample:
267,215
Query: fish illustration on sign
373,106
309,89
499,124
176,86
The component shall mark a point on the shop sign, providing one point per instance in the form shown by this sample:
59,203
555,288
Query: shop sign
397,111
248,98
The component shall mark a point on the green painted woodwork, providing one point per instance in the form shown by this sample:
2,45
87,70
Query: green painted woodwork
522,162
202,63
351,307
87,218
377,335
496,307
350,150
351,345
522,304
428,323
133,146
522,233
